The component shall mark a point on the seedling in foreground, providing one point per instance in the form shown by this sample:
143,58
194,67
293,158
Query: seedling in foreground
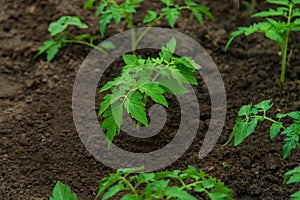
109,10
249,116
62,192
275,29
162,185
293,176
141,79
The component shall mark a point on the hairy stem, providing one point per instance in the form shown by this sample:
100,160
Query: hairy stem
86,44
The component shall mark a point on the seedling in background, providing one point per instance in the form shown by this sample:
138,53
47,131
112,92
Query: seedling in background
141,79
109,10
249,116
161,185
60,31
275,29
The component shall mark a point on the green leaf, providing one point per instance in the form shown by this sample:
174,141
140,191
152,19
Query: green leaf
136,106
168,2
179,194
275,129
130,197
270,13
152,15
295,196
109,125
63,22
280,2
52,51
89,4
264,105
208,184
242,130
108,45
62,192
172,15
104,21
130,59
155,92
245,110
215,195
292,176
112,191
198,15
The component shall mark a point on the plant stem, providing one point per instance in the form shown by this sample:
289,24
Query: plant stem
129,185
86,44
284,47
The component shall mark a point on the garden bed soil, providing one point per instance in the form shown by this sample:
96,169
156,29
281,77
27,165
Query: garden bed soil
39,144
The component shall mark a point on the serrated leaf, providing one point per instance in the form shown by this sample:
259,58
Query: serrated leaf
242,130
179,194
295,196
171,14
155,92
198,15
270,13
264,105
112,191
279,2
104,21
62,192
152,15
275,129
208,184
89,4
136,106
63,22
215,195
130,59
245,110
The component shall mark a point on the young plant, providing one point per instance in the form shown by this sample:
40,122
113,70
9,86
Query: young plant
60,31
293,176
109,10
274,28
141,79
161,185
62,192
249,116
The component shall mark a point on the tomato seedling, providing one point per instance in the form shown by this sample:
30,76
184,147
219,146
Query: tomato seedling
62,192
141,79
249,116
274,28
293,176
161,185
109,10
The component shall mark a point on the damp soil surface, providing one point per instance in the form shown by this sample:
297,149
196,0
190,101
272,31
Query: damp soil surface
39,144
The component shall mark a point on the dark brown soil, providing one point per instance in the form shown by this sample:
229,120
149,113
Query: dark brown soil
39,144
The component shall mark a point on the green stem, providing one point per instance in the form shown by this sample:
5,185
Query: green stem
284,48
86,44
136,42
130,186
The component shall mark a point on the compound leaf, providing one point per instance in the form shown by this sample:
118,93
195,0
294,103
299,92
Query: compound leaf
63,22
171,14
179,194
155,92
135,106
264,105
152,15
